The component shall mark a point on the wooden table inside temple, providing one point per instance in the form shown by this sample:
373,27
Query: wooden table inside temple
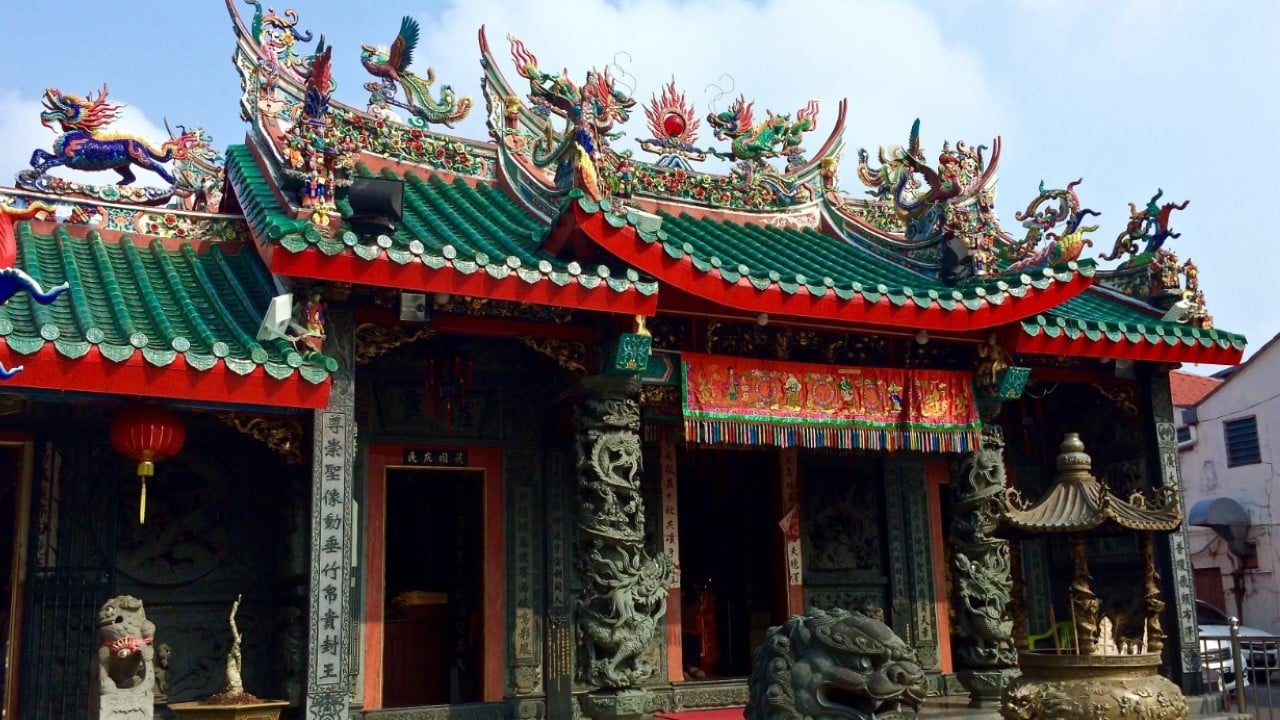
417,652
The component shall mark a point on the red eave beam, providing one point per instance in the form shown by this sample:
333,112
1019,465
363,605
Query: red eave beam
47,370
1062,345
416,277
624,244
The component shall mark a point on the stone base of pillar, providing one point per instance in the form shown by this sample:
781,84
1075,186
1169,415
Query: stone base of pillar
630,704
986,686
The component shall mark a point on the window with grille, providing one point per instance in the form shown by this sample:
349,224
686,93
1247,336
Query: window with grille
1242,441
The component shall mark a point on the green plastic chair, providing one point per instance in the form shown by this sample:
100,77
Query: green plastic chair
1066,636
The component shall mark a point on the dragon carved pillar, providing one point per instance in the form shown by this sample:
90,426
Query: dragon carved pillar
985,656
624,588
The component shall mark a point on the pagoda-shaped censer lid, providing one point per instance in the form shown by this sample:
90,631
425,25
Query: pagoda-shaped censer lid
1078,502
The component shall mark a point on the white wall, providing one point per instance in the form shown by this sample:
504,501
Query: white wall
1253,390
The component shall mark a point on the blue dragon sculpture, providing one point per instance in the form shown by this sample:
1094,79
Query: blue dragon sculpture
14,280
84,146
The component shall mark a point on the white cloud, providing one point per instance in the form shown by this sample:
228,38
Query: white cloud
22,133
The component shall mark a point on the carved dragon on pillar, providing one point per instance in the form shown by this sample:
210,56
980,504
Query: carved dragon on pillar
984,652
624,588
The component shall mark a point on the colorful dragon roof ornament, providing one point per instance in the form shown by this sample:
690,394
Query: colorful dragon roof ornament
751,143
1152,271
1042,218
273,63
317,158
391,66
542,158
85,143
1147,227
278,36
952,205
14,280
591,109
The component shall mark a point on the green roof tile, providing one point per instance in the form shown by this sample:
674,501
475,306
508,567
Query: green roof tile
1097,313
446,224
163,301
792,258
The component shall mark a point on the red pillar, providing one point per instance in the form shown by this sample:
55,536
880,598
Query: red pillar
667,467
793,570
937,475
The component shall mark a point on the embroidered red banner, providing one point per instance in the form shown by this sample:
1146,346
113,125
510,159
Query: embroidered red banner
745,401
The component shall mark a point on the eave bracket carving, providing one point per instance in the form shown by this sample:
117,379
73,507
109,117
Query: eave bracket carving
283,435
570,355
374,339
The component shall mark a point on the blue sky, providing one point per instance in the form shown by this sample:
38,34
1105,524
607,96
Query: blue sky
1131,95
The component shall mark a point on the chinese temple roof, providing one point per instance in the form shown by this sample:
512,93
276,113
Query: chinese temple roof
454,237
804,272
553,210
1103,323
146,315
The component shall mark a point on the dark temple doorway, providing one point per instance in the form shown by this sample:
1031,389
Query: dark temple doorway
11,527
730,558
434,529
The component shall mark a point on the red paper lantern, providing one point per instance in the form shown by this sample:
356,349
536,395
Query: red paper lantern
147,434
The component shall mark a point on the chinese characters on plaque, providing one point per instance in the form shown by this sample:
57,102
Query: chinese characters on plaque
670,506
790,523
332,575
428,457
523,632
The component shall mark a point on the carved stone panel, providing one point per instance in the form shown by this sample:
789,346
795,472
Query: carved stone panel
522,468
559,656
848,545
842,522
718,695
910,481
868,599
899,589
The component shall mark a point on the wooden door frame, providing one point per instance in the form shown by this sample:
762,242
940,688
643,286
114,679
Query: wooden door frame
18,572
487,460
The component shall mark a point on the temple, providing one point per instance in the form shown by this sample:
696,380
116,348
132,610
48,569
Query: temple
558,422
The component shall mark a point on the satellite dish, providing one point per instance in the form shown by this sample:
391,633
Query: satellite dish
278,320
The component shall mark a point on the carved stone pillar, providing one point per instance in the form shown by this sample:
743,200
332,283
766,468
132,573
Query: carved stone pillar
985,657
333,454
624,588
1180,576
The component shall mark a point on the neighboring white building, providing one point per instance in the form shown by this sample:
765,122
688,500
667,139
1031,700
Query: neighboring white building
1229,437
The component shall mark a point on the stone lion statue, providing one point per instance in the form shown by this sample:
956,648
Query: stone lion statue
833,664
125,660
